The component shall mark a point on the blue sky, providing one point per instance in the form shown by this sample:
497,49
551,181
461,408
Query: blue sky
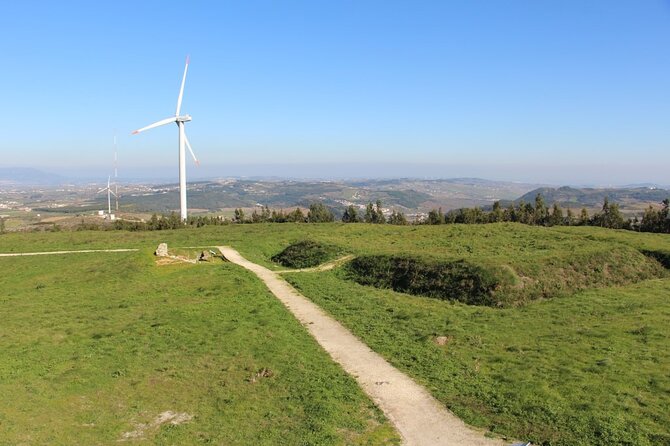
555,91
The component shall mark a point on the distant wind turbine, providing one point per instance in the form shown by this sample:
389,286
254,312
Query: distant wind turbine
116,174
183,141
109,196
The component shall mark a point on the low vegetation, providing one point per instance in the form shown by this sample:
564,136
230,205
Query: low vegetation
589,368
82,359
501,285
305,254
458,280
101,348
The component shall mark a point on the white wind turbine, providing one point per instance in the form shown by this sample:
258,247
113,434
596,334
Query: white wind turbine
109,196
116,174
183,141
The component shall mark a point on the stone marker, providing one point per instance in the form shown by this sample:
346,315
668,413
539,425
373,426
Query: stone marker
442,340
204,256
162,250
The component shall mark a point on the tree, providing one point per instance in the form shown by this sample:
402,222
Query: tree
278,217
540,212
635,224
296,216
511,214
153,222
657,220
397,218
651,221
379,213
374,213
521,206
369,213
263,216
614,218
239,216
319,213
174,221
584,217
570,218
450,217
435,217
266,214
350,215
556,217
496,214
609,217
470,216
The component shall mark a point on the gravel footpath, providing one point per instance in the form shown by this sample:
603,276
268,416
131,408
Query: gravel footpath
419,418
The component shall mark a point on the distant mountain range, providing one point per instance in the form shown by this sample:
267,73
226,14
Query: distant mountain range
408,195
631,197
27,176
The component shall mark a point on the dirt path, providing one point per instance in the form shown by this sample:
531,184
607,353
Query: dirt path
46,253
419,418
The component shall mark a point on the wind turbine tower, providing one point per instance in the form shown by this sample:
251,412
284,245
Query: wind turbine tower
116,175
183,142
109,196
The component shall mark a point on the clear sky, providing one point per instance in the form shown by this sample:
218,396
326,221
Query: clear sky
558,91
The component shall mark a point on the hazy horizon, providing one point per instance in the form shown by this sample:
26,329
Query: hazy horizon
548,92
343,171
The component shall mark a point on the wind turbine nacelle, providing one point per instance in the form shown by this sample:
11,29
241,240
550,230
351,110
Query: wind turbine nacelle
184,118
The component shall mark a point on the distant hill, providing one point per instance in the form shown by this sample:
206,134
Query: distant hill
631,198
28,176
407,195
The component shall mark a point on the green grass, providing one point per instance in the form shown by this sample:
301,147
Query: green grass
517,245
586,369
93,344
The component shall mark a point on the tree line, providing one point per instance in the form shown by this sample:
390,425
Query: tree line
537,213
317,213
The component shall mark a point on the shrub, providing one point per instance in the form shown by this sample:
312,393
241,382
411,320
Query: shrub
502,285
456,280
305,254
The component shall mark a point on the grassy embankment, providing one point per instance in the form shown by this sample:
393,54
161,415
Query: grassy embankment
95,345
586,367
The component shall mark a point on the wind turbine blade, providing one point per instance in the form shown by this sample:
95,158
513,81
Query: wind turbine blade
181,90
188,144
102,190
156,124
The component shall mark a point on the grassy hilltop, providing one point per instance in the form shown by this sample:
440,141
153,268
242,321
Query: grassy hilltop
95,347
574,351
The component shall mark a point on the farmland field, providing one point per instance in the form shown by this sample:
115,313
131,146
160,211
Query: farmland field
577,355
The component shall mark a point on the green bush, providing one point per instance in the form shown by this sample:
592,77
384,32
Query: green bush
455,280
305,254
502,285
